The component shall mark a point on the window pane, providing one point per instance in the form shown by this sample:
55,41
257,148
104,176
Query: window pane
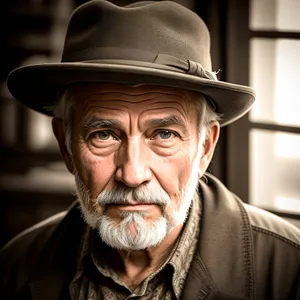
275,170
278,15
275,74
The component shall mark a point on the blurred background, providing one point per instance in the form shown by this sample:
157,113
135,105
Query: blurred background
254,42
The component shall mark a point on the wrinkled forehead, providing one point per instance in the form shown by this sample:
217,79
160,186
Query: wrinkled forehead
87,95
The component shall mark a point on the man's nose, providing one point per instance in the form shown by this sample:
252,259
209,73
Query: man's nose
133,163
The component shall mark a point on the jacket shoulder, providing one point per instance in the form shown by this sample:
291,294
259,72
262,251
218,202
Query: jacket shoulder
36,233
269,224
21,252
276,246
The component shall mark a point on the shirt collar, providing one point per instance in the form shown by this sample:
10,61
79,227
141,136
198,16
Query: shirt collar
184,250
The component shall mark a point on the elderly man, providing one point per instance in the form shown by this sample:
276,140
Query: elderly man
136,113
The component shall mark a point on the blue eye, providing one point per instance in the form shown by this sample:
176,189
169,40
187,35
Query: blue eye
165,134
102,135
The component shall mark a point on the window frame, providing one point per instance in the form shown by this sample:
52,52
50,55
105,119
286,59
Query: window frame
237,57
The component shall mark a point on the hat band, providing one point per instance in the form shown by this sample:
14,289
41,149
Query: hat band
113,53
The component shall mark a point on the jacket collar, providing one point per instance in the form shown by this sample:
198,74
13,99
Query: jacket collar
57,262
221,269
223,265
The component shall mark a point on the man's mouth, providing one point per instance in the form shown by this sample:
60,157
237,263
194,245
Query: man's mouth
132,205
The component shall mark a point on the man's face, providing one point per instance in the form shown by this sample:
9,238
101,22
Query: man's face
136,153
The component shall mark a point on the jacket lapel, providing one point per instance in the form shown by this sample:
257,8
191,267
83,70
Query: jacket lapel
57,263
223,265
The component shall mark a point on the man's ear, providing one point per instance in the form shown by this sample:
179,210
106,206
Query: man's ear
209,146
59,132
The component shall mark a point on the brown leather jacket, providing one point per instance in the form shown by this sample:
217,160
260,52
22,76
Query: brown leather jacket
243,253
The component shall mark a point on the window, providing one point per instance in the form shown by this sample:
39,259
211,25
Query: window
268,174
275,74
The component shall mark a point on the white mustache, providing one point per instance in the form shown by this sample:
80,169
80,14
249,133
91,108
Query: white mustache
142,195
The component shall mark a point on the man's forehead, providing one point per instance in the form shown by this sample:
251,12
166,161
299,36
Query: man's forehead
114,99
146,101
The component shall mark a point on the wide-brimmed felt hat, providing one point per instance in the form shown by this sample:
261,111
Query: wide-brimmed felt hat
147,42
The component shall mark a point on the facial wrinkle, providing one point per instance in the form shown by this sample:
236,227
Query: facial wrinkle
101,98
117,95
110,121
99,108
187,108
159,106
141,101
135,110
153,111
116,104
140,93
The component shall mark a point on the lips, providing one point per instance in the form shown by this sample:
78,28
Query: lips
130,203
133,205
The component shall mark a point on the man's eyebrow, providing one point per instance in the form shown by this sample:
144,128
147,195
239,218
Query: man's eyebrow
93,122
166,121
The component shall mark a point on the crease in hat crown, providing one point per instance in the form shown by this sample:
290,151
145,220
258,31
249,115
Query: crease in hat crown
158,27
146,42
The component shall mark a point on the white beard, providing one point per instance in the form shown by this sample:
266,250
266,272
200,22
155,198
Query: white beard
148,234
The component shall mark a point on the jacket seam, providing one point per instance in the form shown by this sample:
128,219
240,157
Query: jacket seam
247,249
207,281
277,236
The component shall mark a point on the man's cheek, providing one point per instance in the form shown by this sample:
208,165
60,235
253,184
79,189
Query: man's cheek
94,172
174,175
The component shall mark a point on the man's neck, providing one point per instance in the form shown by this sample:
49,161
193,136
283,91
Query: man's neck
134,266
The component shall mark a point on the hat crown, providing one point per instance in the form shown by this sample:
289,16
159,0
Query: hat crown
98,28
156,43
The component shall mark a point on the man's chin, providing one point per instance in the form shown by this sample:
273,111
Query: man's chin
128,230
132,233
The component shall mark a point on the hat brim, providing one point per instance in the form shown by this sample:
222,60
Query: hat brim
37,86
